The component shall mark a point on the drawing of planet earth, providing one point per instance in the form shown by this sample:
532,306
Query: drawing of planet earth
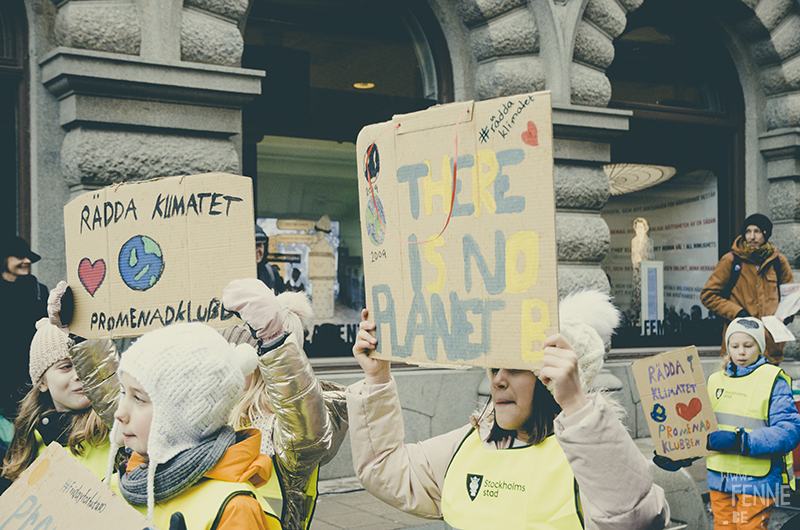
140,263
374,228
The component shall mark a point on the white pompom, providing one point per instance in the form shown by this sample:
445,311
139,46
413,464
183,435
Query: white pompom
246,358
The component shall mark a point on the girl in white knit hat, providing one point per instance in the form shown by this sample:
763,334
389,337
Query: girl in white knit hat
532,458
55,409
178,386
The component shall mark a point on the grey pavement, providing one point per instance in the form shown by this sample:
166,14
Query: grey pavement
343,504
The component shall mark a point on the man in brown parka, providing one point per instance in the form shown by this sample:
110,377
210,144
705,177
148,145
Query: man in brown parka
756,290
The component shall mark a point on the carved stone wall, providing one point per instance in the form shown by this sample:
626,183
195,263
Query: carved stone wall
513,55
148,88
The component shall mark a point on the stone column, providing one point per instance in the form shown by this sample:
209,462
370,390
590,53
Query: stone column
148,88
581,145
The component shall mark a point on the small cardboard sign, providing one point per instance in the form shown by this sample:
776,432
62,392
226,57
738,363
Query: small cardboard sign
143,255
58,492
675,399
484,292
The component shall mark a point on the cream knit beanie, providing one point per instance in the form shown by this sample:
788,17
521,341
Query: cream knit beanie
48,346
587,320
750,326
193,378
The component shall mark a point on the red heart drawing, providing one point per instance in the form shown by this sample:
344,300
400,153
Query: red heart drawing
531,136
687,412
92,274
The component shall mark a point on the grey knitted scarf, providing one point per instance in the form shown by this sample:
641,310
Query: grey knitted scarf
180,473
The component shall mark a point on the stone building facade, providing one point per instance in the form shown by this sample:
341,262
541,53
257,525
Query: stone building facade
119,90
135,89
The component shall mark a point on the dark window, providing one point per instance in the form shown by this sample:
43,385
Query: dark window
674,73
331,68
14,176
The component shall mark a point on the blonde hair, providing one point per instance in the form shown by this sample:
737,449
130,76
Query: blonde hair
253,404
86,426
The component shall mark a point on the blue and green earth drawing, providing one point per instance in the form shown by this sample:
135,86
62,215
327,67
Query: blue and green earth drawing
140,263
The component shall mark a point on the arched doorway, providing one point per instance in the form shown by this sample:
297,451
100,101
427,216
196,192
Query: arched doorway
331,68
680,167
14,121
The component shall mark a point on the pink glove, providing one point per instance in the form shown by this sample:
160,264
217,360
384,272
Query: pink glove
54,305
257,305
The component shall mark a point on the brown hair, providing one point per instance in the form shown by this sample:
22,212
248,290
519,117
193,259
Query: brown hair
86,426
539,424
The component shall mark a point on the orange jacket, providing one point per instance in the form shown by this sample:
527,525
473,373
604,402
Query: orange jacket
242,462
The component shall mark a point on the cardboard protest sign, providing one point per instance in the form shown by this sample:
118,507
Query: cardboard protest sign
676,403
483,293
143,255
58,492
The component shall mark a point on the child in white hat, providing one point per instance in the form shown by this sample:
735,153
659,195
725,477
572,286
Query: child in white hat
178,386
532,458
55,409
758,427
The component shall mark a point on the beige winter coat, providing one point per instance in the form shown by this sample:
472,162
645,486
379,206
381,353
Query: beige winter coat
615,482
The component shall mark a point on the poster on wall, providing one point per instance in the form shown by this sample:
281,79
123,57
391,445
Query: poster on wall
290,242
674,223
458,232
142,255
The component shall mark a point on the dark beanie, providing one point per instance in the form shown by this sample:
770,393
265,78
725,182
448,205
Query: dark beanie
761,221
261,236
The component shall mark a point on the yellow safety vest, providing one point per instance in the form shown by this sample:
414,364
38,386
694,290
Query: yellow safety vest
94,458
202,505
528,487
273,494
744,402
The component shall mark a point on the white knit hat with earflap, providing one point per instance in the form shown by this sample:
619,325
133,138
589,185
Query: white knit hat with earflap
587,320
193,378
49,345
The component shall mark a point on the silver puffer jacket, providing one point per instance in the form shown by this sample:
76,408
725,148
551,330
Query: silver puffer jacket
310,417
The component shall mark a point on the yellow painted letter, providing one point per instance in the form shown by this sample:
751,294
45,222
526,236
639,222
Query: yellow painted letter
533,333
526,244
481,180
436,260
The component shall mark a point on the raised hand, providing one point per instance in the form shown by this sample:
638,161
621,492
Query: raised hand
376,371
560,373
256,304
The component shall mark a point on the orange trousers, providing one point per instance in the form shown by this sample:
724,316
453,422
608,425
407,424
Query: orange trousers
740,511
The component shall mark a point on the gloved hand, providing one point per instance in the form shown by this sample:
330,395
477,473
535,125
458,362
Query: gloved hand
726,441
256,304
668,464
743,313
788,320
57,311
177,522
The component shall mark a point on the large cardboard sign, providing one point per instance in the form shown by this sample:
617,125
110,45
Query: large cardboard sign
56,492
676,403
483,293
143,255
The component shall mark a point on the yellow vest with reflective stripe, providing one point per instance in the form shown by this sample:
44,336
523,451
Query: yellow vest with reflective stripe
528,487
202,505
273,494
744,402
94,458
